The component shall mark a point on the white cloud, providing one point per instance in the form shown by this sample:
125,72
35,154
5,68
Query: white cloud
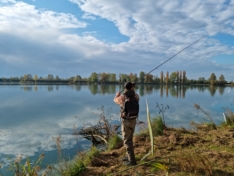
7,1
22,16
89,16
156,30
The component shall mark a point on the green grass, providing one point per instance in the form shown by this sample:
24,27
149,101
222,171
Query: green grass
157,127
113,141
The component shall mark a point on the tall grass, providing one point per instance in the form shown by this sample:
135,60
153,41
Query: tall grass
199,108
29,168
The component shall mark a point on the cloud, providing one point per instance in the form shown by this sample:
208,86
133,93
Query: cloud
156,30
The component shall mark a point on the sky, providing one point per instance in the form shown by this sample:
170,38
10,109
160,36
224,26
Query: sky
78,37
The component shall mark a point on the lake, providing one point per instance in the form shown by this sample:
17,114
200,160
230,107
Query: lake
32,116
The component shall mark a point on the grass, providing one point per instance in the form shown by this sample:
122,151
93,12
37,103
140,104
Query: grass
157,128
113,141
29,168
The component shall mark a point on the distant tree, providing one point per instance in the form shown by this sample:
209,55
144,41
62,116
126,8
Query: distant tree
148,78
222,79
57,78
201,80
167,78
35,78
156,79
50,77
93,77
142,77
133,77
178,76
78,78
27,77
124,77
161,77
212,78
173,77
112,77
104,77
184,77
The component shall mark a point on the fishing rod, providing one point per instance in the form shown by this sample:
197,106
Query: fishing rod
175,55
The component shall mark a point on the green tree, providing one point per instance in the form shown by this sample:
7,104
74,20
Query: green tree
104,77
201,80
142,77
173,77
184,78
112,77
57,78
78,78
222,79
178,77
133,77
93,77
161,77
212,78
124,77
149,78
50,77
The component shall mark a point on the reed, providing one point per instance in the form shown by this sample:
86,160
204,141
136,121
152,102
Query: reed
196,106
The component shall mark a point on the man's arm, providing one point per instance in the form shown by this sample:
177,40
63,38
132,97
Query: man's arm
119,99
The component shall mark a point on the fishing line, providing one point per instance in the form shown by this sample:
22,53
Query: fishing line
175,55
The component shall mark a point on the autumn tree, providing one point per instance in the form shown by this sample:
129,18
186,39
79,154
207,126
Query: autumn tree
133,77
27,77
35,78
148,78
167,78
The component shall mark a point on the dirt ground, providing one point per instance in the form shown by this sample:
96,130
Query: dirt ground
186,153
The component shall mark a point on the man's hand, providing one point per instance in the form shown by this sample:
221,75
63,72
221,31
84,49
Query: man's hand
118,94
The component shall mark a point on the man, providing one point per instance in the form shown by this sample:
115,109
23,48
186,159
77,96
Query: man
128,119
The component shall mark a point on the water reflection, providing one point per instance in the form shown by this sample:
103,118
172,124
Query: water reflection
30,120
178,91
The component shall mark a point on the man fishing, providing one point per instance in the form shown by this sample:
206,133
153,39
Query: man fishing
129,105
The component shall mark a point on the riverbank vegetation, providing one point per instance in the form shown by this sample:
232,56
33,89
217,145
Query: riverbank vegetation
176,77
205,149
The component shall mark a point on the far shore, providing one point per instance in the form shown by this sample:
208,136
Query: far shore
66,82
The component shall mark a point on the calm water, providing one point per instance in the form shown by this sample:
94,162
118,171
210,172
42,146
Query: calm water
32,116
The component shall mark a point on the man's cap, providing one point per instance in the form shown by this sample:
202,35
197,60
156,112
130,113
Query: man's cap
129,85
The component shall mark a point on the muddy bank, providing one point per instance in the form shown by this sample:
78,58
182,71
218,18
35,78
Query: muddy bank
202,152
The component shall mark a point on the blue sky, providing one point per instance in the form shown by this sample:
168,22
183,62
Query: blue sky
70,37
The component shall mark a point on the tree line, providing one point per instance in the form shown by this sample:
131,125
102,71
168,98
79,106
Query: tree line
176,77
